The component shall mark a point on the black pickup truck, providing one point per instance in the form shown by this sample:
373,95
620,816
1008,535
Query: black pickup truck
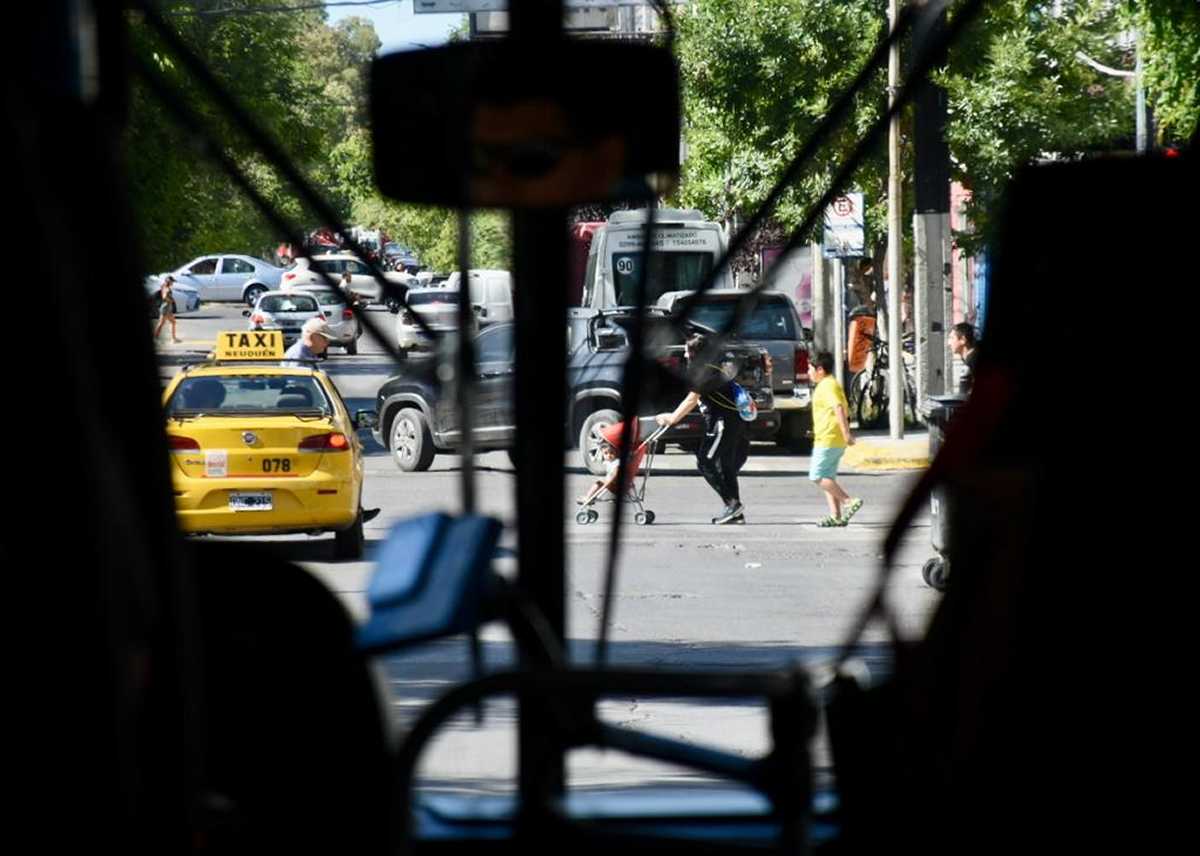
418,415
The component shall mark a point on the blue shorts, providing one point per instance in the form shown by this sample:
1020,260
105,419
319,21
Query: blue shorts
825,461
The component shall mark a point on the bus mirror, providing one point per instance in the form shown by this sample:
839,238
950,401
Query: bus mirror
508,125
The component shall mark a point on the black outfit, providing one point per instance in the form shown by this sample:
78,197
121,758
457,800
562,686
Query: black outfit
968,378
723,431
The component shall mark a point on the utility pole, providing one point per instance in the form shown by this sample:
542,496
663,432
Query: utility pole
931,217
1144,130
894,266
837,286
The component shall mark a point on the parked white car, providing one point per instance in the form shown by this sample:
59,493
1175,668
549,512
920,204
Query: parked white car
227,277
334,264
342,321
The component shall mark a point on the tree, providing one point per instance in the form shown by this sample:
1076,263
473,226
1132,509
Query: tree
1170,39
759,74
1018,92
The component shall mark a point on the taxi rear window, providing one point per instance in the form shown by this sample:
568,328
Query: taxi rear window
237,394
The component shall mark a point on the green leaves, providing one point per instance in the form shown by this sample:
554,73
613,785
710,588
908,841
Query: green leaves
759,74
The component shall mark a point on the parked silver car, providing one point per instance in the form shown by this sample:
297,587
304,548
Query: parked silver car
228,277
287,312
342,321
187,297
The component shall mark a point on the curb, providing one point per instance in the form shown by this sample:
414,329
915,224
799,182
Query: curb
867,456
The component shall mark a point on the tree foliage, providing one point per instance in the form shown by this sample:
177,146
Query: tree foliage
759,74
1170,34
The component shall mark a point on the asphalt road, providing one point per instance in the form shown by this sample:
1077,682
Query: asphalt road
689,595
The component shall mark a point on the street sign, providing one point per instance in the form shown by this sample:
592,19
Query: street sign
845,233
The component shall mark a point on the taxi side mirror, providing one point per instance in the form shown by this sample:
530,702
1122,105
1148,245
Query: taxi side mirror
366,419
245,313
498,125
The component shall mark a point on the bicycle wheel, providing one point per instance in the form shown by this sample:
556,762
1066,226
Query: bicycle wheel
872,401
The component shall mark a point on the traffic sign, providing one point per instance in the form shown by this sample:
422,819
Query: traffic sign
845,232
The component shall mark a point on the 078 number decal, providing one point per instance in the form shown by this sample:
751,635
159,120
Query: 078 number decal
277,465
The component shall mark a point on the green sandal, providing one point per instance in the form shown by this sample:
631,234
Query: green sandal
850,510
830,522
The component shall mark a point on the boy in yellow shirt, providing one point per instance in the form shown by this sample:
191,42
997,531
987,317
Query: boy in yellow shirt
831,436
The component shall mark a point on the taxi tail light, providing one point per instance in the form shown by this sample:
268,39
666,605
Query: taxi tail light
801,364
257,319
335,441
347,314
179,443
288,277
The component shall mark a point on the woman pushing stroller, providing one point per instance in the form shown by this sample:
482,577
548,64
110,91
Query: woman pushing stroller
716,458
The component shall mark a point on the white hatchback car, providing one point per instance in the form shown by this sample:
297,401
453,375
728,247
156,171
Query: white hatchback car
342,321
284,311
335,264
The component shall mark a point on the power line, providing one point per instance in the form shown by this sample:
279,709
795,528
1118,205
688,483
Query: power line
261,10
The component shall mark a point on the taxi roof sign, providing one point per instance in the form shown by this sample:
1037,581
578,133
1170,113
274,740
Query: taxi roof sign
249,345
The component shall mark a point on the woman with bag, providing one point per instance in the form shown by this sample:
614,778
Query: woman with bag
721,403
166,308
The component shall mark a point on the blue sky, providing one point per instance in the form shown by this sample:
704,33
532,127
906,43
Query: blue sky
398,28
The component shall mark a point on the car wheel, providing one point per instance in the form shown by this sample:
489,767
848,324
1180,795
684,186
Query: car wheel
348,544
352,347
411,442
590,439
253,293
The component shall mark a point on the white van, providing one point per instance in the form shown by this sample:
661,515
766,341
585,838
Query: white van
686,246
491,294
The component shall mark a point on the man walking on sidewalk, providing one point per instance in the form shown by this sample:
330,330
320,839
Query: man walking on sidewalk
831,436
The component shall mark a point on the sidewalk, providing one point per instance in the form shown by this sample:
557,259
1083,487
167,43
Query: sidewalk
876,451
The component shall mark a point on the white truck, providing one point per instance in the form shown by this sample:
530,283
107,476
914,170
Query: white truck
686,246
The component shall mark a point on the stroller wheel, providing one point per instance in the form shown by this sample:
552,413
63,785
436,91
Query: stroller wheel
593,515
642,518
649,516
934,573
584,516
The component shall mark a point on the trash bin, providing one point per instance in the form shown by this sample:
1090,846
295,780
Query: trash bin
939,410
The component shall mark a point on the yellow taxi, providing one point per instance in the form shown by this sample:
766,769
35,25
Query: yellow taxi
261,446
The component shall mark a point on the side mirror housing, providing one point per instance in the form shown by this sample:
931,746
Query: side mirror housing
366,419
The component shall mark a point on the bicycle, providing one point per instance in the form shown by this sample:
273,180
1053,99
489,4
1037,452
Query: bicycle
867,390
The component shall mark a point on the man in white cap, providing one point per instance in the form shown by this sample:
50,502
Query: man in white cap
315,337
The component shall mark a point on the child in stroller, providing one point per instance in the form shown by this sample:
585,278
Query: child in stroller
605,490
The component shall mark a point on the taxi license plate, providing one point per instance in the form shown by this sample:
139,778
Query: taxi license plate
250,501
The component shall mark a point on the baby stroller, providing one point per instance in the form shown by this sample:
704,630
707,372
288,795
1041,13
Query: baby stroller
640,463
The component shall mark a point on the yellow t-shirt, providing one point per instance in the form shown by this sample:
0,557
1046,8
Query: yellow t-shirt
826,397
